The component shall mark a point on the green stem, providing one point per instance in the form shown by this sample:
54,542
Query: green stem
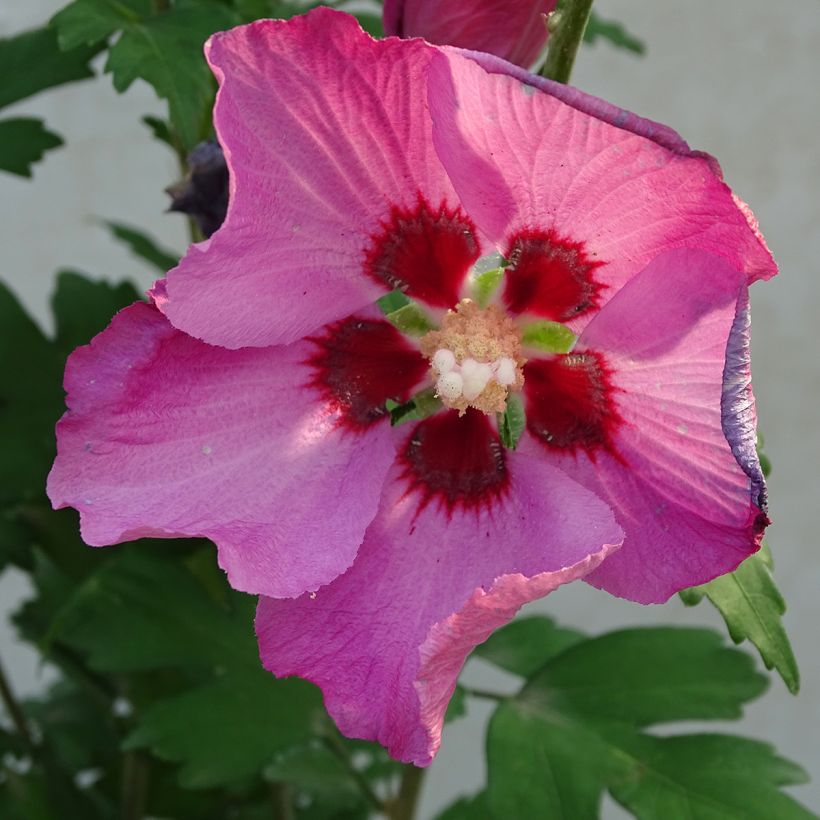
404,805
281,799
134,785
332,742
14,710
565,40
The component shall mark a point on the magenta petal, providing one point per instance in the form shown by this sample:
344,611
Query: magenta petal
525,157
386,640
515,31
326,134
690,502
168,436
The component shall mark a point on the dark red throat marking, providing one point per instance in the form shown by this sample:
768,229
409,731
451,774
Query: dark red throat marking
360,363
424,252
549,276
569,402
457,461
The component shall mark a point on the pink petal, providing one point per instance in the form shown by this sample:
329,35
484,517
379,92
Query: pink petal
691,504
252,448
525,157
326,135
515,31
437,572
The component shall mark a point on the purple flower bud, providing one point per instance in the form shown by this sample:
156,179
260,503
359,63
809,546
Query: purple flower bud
203,193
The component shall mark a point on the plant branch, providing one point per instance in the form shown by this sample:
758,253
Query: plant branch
14,710
567,26
403,807
332,742
134,785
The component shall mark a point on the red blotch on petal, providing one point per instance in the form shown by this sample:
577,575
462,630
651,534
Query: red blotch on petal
424,252
457,461
569,402
549,276
360,363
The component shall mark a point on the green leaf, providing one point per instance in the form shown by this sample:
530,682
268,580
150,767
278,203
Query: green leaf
25,140
552,337
277,9
411,319
159,129
690,676
143,246
525,645
231,728
752,606
614,32
32,61
512,422
574,732
87,22
84,307
707,777
166,51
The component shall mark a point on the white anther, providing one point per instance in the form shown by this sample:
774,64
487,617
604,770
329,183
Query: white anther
449,386
443,361
505,371
476,375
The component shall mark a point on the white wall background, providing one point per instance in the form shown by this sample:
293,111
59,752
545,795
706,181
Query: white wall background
737,78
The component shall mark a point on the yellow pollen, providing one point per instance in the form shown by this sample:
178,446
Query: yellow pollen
475,357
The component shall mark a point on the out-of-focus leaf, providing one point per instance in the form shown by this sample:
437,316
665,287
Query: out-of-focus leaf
525,645
753,608
32,61
168,616
31,400
231,728
24,141
467,808
614,32
371,23
143,246
83,307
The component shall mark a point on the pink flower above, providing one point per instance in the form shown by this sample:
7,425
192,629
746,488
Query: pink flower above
251,403
515,31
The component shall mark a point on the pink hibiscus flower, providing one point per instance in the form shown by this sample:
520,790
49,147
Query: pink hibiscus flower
515,31
249,404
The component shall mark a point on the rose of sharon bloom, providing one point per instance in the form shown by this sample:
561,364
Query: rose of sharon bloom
516,30
251,403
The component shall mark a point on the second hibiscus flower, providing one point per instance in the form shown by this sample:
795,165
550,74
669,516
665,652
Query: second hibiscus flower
252,403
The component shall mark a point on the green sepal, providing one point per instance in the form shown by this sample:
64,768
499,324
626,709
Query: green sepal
411,319
391,302
551,337
485,285
422,405
512,422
